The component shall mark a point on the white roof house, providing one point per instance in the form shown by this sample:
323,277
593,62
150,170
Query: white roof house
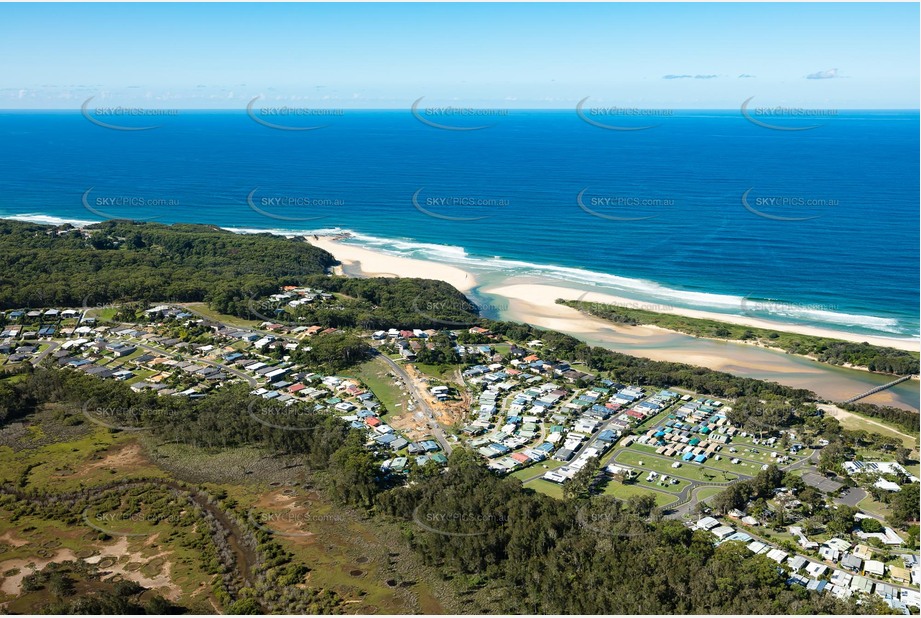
874,567
707,523
815,569
721,532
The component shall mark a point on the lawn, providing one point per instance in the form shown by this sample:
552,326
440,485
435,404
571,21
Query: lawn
694,472
856,422
546,487
445,373
230,320
375,375
538,468
623,492
874,507
707,492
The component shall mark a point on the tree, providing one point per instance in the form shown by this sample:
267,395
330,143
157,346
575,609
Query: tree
870,525
353,473
579,486
904,506
842,520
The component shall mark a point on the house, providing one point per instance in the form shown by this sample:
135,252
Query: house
851,563
816,570
722,532
840,578
861,584
874,567
863,552
900,574
777,555
797,562
839,544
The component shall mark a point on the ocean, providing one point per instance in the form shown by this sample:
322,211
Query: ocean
704,210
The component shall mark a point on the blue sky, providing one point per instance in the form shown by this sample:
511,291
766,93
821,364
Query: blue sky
677,56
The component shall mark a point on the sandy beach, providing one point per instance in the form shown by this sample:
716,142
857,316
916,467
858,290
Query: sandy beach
535,304
366,263
542,296
538,300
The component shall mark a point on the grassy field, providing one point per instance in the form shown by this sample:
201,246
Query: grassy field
856,422
623,492
707,492
230,320
538,468
873,507
375,375
694,472
445,373
104,314
746,464
367,563
546,487
656,484
93,458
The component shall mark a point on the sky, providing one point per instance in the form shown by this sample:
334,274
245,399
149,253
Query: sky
502,56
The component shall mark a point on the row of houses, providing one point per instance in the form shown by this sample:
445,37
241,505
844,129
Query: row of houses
818,577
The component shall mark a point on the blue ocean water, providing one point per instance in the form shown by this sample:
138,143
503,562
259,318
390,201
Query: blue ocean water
827,233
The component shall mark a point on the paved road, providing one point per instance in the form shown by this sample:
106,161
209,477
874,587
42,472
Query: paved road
437,431
52,346
250,379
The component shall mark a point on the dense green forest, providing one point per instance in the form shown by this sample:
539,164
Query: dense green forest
47,266
369,304
530,552
827,350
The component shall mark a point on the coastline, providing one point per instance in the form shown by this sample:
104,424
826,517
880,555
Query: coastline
535,304
524,294
544,296
359,261
366,258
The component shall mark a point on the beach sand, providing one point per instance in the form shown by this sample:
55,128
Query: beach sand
535,304
367,263
544,297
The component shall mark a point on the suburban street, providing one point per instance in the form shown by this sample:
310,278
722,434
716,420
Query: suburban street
52,346
437,431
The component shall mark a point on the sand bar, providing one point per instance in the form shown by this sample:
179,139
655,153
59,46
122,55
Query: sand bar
545,295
